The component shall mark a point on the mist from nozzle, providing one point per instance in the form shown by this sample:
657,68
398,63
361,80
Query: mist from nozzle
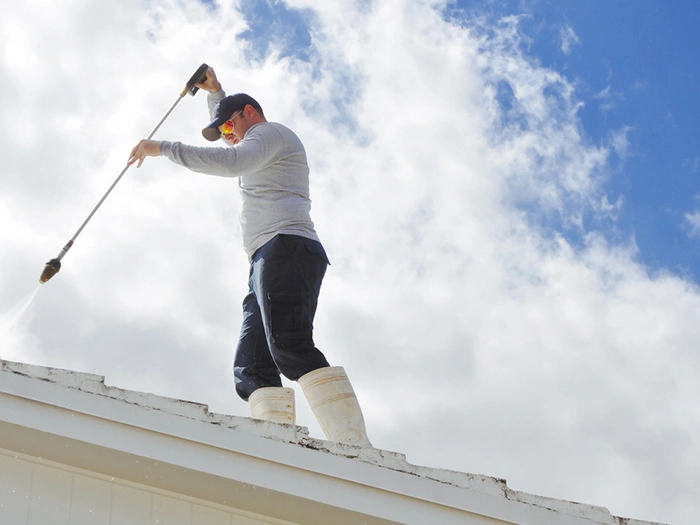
12,322
52,267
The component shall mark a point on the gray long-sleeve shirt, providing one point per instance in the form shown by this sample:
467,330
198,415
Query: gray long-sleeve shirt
273,177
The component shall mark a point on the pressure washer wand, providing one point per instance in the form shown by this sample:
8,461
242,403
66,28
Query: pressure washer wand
54,265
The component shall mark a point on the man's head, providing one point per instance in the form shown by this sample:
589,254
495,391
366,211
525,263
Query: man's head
235,114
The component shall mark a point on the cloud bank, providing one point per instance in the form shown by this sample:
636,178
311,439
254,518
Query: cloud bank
486,326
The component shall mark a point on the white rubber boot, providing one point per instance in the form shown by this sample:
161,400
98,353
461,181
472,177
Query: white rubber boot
335,406
274,404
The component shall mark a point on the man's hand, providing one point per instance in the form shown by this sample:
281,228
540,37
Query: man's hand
145,148
211,84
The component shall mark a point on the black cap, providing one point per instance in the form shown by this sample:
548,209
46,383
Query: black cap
224,110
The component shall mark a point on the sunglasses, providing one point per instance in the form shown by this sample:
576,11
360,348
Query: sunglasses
227,127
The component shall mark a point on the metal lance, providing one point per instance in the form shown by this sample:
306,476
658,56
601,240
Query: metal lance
54,265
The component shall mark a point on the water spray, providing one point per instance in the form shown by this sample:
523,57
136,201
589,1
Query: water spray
54,265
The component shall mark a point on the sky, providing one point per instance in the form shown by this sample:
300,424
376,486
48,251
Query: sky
507,192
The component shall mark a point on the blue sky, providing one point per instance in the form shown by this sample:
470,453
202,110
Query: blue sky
271,23
633,69
635,65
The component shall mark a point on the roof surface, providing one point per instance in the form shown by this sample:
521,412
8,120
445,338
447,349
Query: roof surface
88,394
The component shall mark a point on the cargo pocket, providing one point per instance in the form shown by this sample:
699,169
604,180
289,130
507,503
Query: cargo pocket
317,249
289,319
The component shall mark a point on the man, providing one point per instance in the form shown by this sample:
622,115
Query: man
287,263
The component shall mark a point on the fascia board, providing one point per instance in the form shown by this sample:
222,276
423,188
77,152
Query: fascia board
152,458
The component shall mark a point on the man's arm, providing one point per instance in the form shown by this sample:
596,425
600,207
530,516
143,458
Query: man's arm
216,92
263,145
151,148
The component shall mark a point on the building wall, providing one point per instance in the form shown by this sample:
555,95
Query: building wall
37,492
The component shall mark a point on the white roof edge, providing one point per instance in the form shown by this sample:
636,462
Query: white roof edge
294,435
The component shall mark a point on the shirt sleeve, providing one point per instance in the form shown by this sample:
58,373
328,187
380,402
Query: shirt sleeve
212,100
261,147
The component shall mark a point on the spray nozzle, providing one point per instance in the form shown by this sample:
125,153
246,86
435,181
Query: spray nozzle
52,267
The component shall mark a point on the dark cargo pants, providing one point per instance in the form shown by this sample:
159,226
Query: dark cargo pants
278,313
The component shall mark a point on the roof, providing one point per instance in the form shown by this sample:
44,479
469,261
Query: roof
76,419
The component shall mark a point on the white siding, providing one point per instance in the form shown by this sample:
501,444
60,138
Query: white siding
204,516
170,511
49,496
130,506
242,520
35,493
90,497
15,485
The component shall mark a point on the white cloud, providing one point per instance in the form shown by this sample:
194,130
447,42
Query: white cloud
608,97
619,141
693,221
478,340
568,38
692,164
